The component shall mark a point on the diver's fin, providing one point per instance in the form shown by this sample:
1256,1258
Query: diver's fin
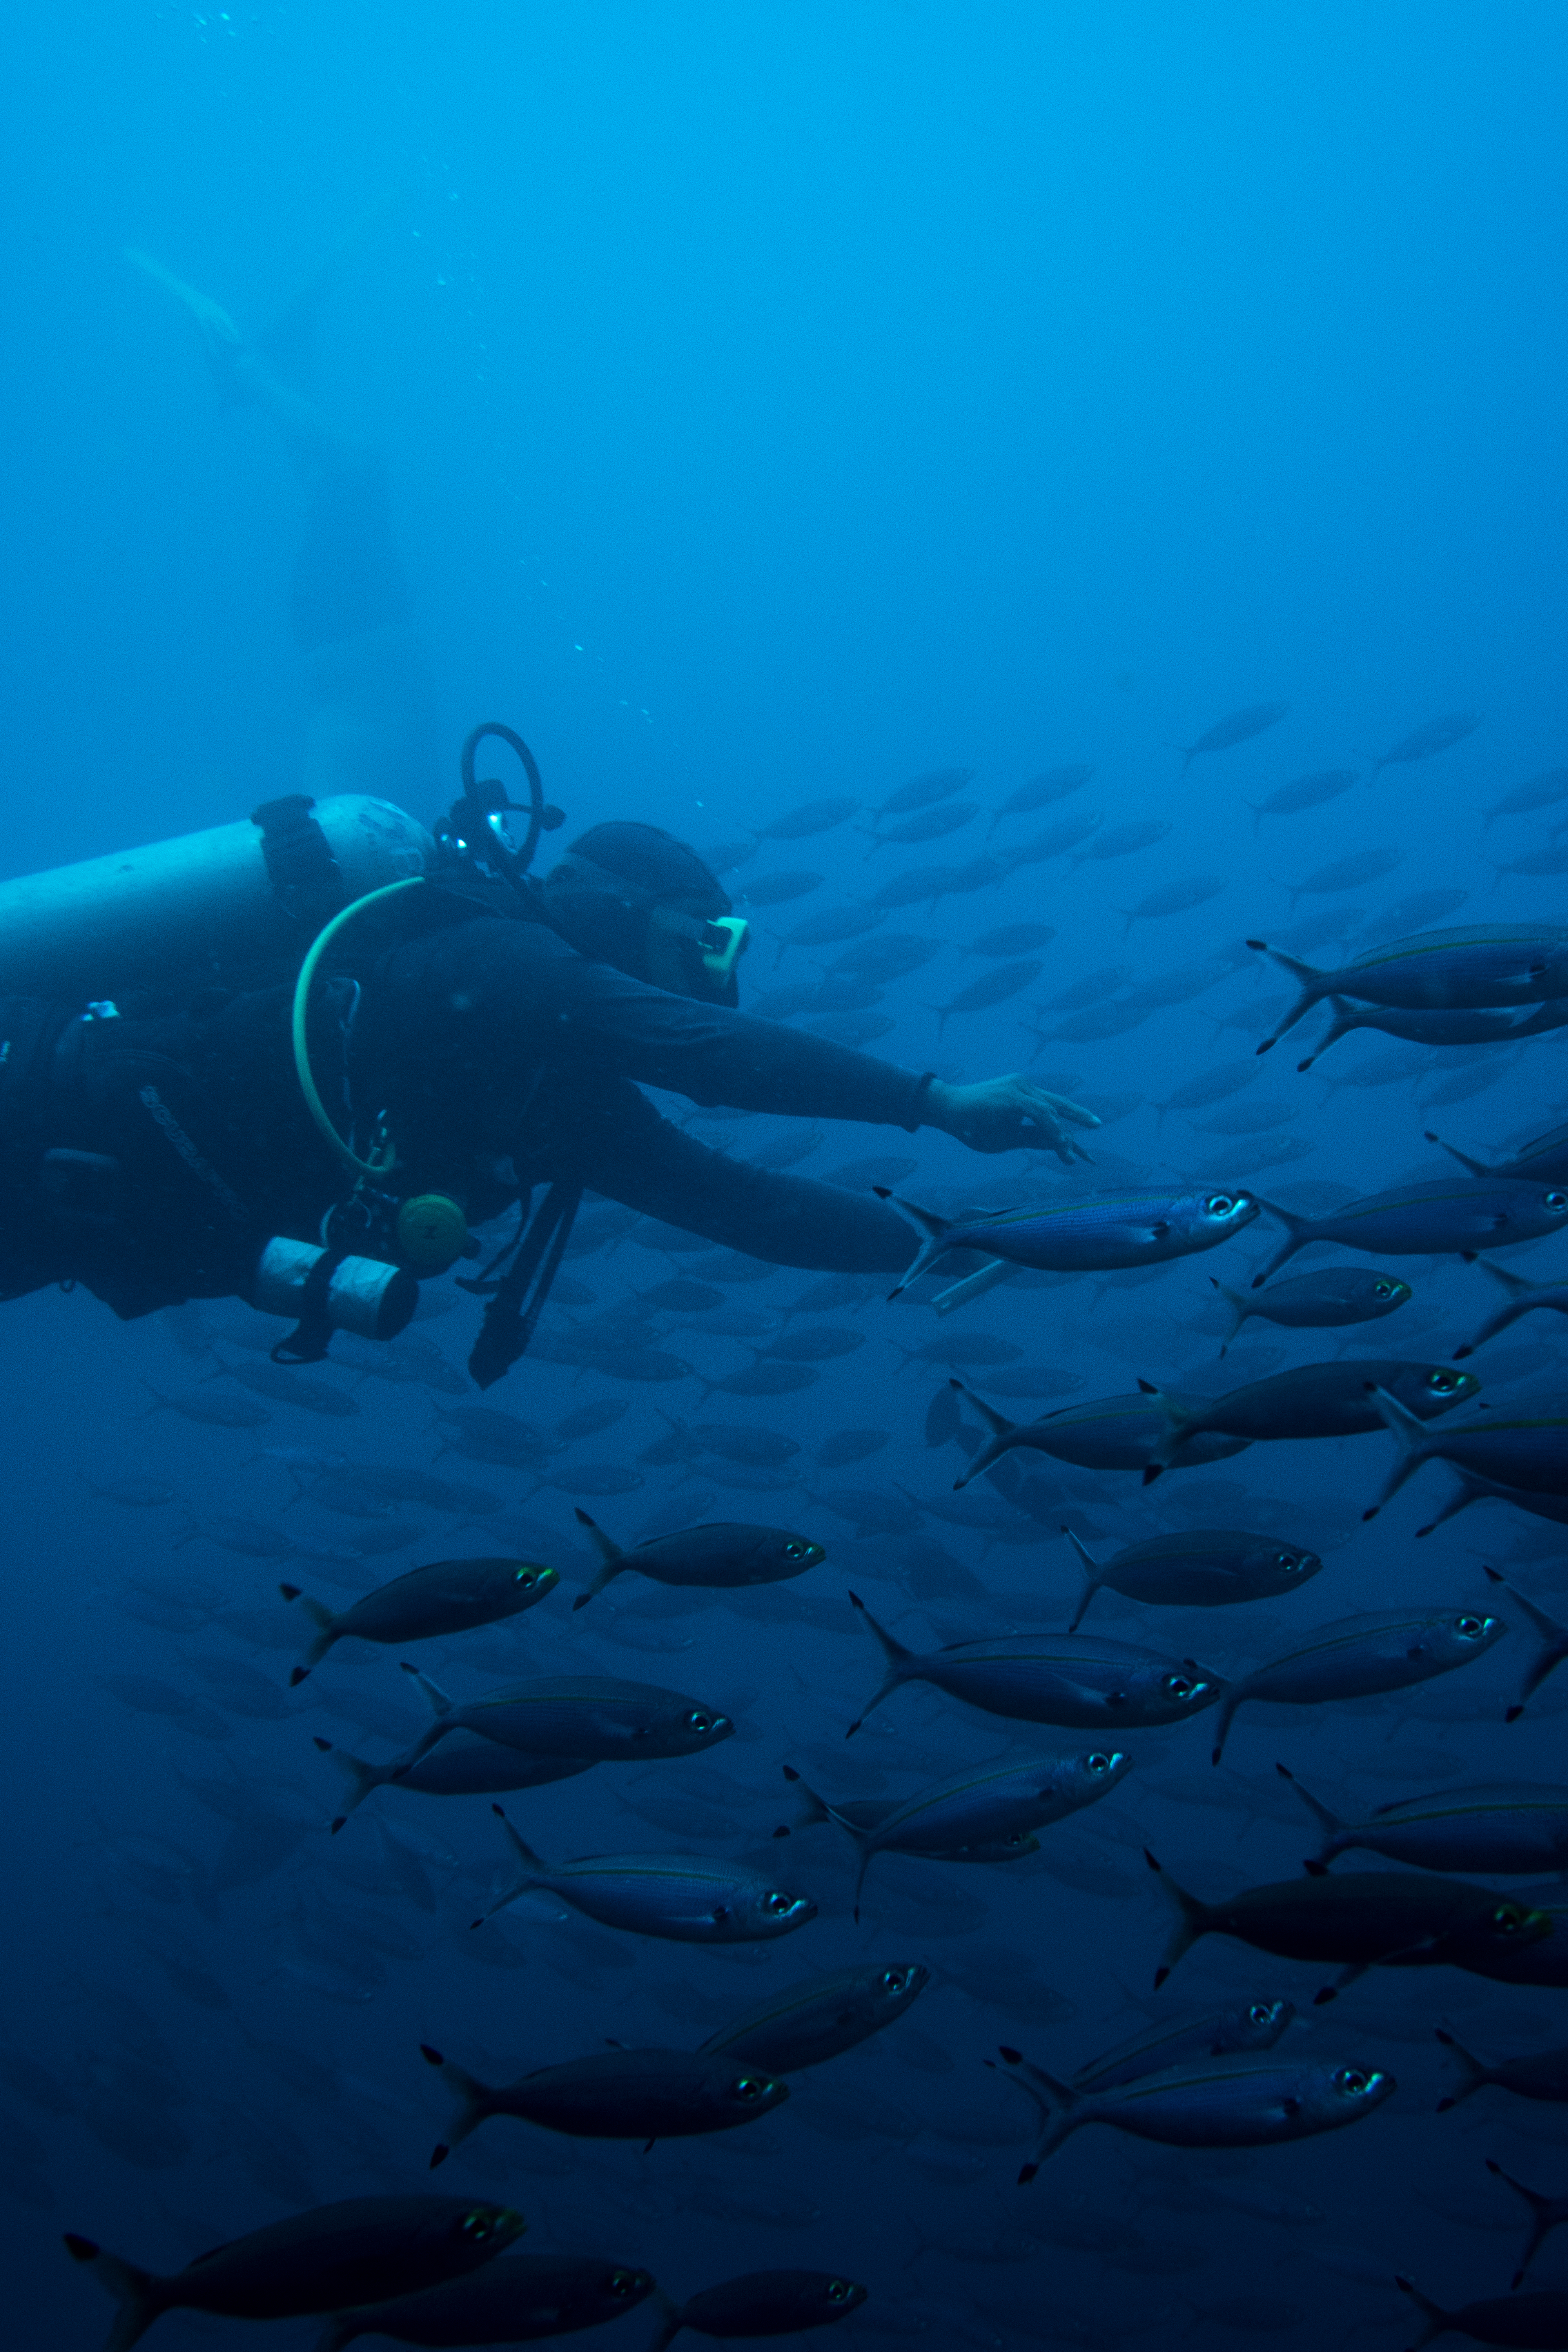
1060,2107
132,2288
1192,1919
1093,1578
612,1558
289,340
1476,2076
1554,1645
473,2103
222,342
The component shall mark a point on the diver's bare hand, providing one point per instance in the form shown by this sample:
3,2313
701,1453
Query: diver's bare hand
1010,1114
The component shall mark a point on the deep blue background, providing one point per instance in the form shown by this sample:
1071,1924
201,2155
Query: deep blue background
782,401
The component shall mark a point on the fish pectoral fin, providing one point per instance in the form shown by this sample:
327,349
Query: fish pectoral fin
1291,2109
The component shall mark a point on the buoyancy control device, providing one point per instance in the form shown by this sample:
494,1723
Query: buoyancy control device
245,905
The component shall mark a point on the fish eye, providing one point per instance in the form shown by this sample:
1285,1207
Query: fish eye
1288,1560
1470,1628
622,2282
798,1548
1179,1685
700,1720
750,2086
1260,2014
524,1576
1097,1763
1508,1919
1444,1384
895,1979
1355,2080
1557,1200
479,2225
837,2289
777,1903
1219,1204
1383,1289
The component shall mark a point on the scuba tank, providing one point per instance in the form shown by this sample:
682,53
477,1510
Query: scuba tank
243,907
234,907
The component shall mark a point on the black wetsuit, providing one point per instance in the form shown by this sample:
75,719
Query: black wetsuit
151,1156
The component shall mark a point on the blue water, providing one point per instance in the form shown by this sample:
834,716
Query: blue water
778,405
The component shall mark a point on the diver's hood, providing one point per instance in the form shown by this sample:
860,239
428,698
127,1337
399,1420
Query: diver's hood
632,895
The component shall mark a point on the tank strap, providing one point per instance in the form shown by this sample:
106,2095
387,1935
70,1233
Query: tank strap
305,875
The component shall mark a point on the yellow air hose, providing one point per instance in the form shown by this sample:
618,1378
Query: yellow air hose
307,971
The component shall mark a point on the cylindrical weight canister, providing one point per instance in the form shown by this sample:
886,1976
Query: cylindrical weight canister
365,1296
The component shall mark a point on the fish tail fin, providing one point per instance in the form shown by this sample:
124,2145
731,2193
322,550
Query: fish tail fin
362,1778
1438,2321
441,1707
1554,1645
669,2327
1411,1433
533,1873
1298,1234
1192,1919
1329,1823
1092,1577
326,1625
1470,1490
815,1809
1346,1018
1544,2218
612,1559
1476,1167
1003,1436
160,1403
1237,1302
925,1221
1518,1301
1475,2075
1315,986
1225,1717
1060,2107
134,2290
473,2099
335,2335
1177,1418
896,1655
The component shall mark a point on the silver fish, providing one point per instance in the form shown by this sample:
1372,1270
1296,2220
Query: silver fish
806,2023
1071,1679
1224,2103
1496,1827
686,1898
1429,1220
592,1715
1121,1433
989,1805
644,2094
1539,2074
1325,1300
1354,1657
1204,1569
1241,2026
1483,965
1097,1232
450,1596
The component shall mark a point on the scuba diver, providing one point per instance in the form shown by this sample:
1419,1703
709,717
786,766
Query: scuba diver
298,1060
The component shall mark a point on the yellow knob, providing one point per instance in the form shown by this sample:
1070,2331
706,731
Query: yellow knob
431,1232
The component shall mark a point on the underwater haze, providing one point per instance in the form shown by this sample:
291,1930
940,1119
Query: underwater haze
1062,508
